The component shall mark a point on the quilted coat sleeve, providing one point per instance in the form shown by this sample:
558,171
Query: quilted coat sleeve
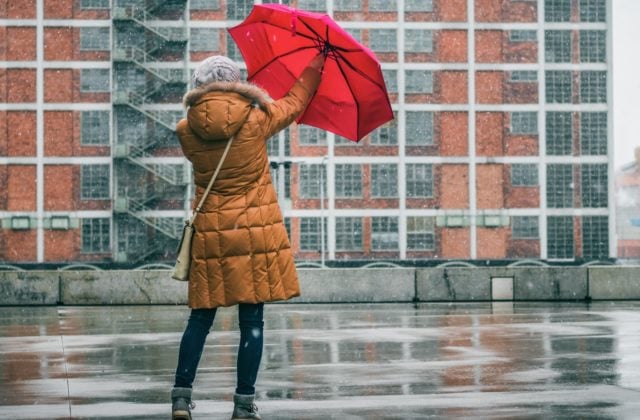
283,112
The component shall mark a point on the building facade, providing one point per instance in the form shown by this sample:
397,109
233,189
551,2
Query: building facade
501,147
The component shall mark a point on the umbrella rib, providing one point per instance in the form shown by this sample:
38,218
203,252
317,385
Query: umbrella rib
353,95
360,72
280,56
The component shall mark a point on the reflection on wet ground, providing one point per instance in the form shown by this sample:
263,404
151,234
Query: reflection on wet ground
499,361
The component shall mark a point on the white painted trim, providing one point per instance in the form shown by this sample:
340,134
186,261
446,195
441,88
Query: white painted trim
40,130
613,234
402,183
542,133
471,59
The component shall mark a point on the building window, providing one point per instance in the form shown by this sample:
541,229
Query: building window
523,36
95,39
559,133
557,46
348,181
312,5
387,135
347,5
310,177
595,237
204,4
204,39
524,227
383,6
274,170
524,123
94,80
421,233
419,178
233,52
239,9
524,174
593,11
523,76
383,40
94,128
384,234
311,234
593,87
594,185
419,128
560,241
348,234
557,10
418,6
95,4
418,81
391,80
96,236
593,133
273,144
94,182
593,46
311,136
418,41
559,86
560,186
384,180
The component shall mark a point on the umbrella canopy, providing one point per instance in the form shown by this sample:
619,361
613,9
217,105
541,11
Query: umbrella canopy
277,42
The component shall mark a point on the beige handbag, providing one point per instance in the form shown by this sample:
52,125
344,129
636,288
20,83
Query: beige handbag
183,260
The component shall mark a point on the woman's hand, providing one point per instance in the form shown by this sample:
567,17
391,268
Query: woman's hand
317,62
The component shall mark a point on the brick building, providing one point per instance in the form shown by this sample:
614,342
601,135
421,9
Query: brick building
501,146
628,209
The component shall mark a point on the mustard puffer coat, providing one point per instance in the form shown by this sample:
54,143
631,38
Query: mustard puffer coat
241,252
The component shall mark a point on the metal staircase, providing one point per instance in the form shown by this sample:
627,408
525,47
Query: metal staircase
148,34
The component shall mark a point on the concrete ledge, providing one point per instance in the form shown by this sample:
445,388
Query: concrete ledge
29,288
529,283
607,283
356,285
121,287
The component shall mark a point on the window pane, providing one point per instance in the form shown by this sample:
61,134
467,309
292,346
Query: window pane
523,36
311,136
559,86
559,133
418,40
419,128
524,76
384,233
419,178
557,10
97,39
204,39
560,186
311,177
391,80
94,182
593,11
384,180
524,174
418,5
593,133
594,185
560,241
348,234
233,52
204,4
383,40
386,135
595,237
95,4
348,181
418,81
383,6
593,87
94,127
310,234
347,5
312,5
94,80
96,235
421,233
524,123
557,46
593,46
239,9
524,227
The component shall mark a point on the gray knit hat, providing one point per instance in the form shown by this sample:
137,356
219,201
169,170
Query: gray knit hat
217,68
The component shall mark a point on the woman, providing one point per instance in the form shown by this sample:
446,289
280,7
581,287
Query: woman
241,254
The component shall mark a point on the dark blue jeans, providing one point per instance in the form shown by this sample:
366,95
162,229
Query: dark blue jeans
249,350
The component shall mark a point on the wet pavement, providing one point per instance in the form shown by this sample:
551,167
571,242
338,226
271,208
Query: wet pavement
490,361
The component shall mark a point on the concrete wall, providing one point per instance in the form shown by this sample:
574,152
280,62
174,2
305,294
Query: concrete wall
453,284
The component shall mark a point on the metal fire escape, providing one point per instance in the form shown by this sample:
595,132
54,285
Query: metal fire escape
149,59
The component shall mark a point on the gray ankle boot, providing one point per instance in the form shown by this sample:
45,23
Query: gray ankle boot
181,404
244,408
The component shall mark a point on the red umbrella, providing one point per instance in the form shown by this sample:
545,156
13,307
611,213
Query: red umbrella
277,42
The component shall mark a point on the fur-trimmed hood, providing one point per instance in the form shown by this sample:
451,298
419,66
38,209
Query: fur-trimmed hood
250,91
